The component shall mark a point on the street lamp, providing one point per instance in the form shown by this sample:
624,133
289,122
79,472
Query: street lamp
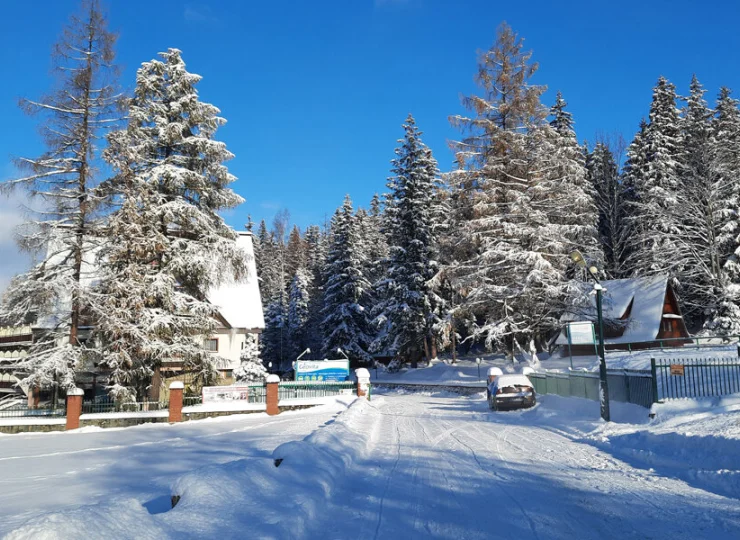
577,258
304,352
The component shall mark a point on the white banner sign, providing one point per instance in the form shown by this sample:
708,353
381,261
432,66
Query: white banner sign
215,394
581,333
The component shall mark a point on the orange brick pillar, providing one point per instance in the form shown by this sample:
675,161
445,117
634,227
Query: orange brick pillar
74,408
34,396
272,394
363,382
176,389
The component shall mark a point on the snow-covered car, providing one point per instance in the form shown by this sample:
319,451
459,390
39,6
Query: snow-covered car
511,392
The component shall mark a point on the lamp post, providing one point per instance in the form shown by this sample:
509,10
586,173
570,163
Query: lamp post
603,382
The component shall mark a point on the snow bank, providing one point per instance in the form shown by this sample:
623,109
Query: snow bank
247,498
696,440
260,499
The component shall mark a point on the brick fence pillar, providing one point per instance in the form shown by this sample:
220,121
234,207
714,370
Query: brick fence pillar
34,396
176,389
363,382
74,408
272,383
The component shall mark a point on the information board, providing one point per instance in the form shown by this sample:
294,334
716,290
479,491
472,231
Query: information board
581,333
322,370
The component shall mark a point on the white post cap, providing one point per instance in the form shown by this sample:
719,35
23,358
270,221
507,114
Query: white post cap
75,392
177,385
272,379
494,372
362,373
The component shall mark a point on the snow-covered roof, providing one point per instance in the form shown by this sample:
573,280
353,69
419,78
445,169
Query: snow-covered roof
647,296
240,303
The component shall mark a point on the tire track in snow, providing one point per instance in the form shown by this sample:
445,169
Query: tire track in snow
488,472
388,480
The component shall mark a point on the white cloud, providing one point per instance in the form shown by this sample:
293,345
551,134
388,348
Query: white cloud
12,260
199,13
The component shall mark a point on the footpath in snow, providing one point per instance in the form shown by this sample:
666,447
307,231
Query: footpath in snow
405,465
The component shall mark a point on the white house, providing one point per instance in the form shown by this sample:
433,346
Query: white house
239,314
240,311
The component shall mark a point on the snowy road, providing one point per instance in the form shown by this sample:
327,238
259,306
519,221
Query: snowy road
402,466
448,468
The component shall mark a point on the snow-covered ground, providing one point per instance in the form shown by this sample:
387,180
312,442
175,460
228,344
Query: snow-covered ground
465,371
405,465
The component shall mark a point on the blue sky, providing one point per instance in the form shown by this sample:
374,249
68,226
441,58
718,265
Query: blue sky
315,92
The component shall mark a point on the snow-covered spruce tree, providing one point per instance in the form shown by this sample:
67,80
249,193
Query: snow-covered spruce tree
703,196
724,317
316,247
565,195
633,174
167,245
251,369
295,252
65,235
410,308
654,246
275,336
603,173
513,282
299,303
345,322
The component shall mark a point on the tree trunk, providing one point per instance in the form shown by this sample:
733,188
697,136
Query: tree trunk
426,349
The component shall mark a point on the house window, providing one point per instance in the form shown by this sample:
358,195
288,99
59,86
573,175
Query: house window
667,325
212,345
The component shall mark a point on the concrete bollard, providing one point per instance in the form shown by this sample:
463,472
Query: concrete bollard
74,408
363,382
272,383
176,389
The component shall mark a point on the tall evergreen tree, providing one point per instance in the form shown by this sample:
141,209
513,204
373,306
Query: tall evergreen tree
66,234
299,314
410,311
167,245
654,242
568,199
724,316
702,197
513,280
345,290
275,336
603,173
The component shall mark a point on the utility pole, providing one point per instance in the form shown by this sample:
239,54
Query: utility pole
592,272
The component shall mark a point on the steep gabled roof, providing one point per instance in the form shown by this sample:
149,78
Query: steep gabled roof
647,297
240,303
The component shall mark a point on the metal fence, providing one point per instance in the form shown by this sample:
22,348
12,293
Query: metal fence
111,406
21,410
188,401
700,377
626,386
303,390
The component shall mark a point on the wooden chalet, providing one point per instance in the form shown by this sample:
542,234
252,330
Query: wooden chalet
637,313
